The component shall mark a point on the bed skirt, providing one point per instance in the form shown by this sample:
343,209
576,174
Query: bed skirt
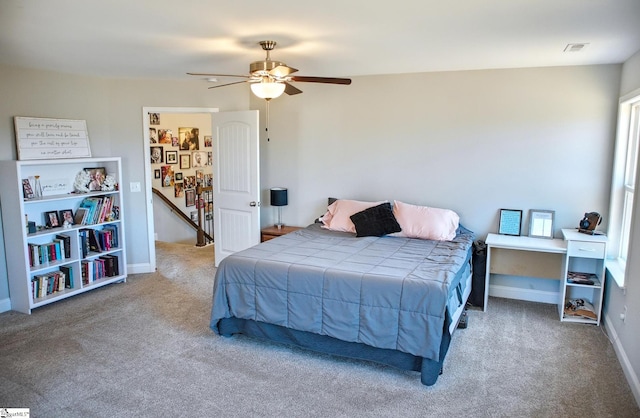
429,369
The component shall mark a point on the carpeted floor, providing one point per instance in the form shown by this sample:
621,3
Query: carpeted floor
144,348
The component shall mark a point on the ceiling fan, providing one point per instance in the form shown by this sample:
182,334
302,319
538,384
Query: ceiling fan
269,79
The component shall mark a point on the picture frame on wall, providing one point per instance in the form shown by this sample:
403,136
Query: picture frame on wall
510,222
541,223
171,157
190,197
178,176
199,159
185,161
156,173
157,155
178,189
154,118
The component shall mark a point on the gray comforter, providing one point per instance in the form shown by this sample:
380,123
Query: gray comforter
386,292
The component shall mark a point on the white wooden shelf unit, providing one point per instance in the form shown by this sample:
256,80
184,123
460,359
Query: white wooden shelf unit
58,177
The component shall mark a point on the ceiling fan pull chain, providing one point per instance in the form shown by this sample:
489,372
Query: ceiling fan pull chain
267,127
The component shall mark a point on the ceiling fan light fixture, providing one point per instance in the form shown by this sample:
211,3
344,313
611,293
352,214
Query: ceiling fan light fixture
268,89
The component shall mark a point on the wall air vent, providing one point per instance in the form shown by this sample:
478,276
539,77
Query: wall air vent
575,47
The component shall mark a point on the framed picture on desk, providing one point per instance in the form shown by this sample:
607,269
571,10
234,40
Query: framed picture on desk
541,223
510,221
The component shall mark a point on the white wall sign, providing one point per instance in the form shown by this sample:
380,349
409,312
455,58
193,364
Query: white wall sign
41,138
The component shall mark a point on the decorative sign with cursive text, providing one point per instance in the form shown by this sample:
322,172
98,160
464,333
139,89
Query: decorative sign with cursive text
45,139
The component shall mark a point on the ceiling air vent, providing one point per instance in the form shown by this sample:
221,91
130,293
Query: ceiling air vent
575,47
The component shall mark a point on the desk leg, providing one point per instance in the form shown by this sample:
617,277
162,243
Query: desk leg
486,280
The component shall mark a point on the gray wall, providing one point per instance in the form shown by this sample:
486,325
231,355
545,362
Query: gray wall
472,141
626,335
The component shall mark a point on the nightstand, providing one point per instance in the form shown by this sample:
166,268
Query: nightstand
272,232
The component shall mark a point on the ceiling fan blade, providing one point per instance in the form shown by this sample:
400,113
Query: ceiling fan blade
328,80
282,71
228,84
291,90
218,75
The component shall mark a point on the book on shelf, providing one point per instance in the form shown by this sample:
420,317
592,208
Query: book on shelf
65,242
68,273
110,265
98,210
40,254
48,284
582,278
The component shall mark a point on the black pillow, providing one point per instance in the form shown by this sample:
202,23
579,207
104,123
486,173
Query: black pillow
375,221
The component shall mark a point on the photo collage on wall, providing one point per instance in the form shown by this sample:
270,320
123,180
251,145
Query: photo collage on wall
181,158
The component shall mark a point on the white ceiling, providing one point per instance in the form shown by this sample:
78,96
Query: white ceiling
341,38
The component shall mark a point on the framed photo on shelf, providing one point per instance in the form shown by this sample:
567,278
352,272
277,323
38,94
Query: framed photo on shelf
171,157
78,218
51,219
97,175
27,191
510,222
185,161
541,223
190,197
66,217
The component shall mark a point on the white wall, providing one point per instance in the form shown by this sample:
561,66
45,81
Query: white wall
626,335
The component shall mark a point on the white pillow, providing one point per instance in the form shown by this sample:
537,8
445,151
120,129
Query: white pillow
424,222
338,216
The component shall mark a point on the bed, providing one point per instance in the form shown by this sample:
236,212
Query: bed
391,300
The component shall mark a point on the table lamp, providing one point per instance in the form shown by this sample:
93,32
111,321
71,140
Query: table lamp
279,199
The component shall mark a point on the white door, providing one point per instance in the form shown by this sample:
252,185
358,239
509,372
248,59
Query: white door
236,182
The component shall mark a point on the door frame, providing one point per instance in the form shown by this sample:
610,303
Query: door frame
148,179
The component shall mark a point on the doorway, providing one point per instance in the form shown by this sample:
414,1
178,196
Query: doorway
169,129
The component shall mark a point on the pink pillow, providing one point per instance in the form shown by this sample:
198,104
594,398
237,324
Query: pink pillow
338,216
424,222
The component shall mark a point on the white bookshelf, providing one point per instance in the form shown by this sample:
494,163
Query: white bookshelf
57,178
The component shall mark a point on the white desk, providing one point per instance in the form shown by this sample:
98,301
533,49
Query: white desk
532,262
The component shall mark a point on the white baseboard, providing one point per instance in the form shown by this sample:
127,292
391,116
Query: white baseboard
5,305
140,268
632,377
523,294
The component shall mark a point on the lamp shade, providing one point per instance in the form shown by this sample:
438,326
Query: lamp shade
279,196
268,89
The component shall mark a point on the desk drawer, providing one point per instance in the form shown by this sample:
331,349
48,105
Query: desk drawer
585,249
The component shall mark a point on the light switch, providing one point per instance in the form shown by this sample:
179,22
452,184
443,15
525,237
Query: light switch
134,186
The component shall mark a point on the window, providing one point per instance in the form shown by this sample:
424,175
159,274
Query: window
623,185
